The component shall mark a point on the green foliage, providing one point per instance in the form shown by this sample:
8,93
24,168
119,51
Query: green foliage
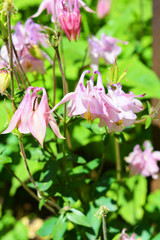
131,197
85,179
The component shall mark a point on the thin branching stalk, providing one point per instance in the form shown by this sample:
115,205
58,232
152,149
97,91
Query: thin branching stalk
118,160
29,190
10,56
17,79
14,70
20,66
22,79
65,106
61,70
54,81
104,227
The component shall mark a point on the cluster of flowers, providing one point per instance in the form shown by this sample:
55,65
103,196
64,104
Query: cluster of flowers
116,109
144,162
26,40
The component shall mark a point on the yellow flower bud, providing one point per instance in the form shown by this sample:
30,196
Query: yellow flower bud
5,79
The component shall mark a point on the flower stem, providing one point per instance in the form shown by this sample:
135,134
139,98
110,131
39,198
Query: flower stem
104,228
61,70
54,81
29,191
65,106
20,66
118,160
10,57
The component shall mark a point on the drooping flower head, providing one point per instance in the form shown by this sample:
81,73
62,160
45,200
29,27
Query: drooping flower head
70,18
125,236
144,162
66,13
105,48
103,8
51,7
88,101
33,116
126,104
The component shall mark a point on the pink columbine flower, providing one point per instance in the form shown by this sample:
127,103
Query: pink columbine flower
144,162
70,18
33,116
28,34
125,236
105,48
88,101
26,40
127,106
51,7
103,8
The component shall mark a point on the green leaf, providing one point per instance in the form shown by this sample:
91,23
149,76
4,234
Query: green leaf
157,237
19,232
148,122
94,222
108,202
5,159
132,198
5,114
77,217
117,237
47,227
140,78
153,205
41,203
59,228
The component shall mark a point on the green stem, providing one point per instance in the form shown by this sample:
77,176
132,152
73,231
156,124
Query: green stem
65,106
10,57
118,160
104,228
54,81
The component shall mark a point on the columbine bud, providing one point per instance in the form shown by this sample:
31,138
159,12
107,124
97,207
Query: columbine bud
69,18
4,80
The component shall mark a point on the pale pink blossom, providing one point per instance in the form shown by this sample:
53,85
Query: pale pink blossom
89,101
33,116
103,8
105,48
51,7
116,109
144,162
127,106
70,18
125,236
26,40
28,34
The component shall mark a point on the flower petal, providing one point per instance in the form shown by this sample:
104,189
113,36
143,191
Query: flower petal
37,126
54,126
